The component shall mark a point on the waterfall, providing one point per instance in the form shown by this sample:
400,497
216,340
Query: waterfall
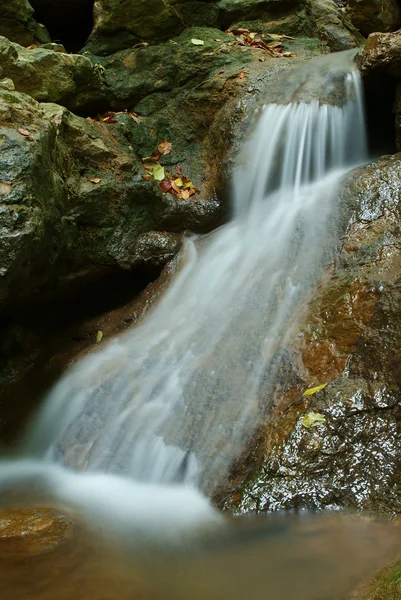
175,399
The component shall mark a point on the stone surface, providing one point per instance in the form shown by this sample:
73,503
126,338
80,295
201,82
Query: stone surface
350,342
48,76
374,15
381,55
18,25
31,532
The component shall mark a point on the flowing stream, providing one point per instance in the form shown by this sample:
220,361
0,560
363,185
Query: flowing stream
134,430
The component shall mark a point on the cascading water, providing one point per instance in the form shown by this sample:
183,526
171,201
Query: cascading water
176,399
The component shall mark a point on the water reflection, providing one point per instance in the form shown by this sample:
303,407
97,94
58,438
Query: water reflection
299,556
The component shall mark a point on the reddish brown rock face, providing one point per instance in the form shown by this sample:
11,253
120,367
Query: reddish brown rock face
350,341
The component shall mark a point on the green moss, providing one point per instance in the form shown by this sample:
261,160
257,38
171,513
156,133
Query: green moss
385,585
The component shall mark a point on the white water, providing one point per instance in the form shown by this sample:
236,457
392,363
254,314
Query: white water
176,399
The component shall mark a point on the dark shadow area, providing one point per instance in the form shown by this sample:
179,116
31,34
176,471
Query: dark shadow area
69,22
38,344
380,118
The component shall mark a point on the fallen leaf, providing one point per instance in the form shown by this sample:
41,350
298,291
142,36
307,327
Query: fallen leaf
179,170
241,75
184,195
24,132
147,177
197,42
99,336
158,173
156,155
165,185
165,147
95,180
313,390
175,188
288,54
313,419
278,36
91,120
219,73
136,118
262,59
178,182
217,39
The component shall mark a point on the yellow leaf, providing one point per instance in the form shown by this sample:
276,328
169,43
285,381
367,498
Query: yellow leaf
197,42
99,336
313,390
178,182
313,419
277,36
158,173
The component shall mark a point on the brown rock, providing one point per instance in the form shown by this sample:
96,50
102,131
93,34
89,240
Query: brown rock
29,532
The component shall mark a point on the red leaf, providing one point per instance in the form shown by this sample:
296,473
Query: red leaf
179,170
165,185
155,155
24,132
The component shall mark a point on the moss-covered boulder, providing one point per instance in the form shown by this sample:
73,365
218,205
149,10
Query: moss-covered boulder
18,25
338,446
122,23
374,15
49,76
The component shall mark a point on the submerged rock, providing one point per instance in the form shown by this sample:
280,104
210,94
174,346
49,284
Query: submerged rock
349,456
374,15
31,532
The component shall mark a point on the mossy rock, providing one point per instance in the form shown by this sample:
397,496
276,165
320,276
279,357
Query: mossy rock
18,25
48,76
385,585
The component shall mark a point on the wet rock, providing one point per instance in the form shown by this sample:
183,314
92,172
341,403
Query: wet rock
157,247
119,24
332,26
349,341
73,198
18,25
374,15
382,54
31,532
49,76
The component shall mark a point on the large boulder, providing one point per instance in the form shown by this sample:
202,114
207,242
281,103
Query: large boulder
18,25
74,200
120,24
381,55
48,76
374,15
338,447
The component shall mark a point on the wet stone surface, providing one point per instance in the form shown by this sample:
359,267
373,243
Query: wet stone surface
30,532
350,341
